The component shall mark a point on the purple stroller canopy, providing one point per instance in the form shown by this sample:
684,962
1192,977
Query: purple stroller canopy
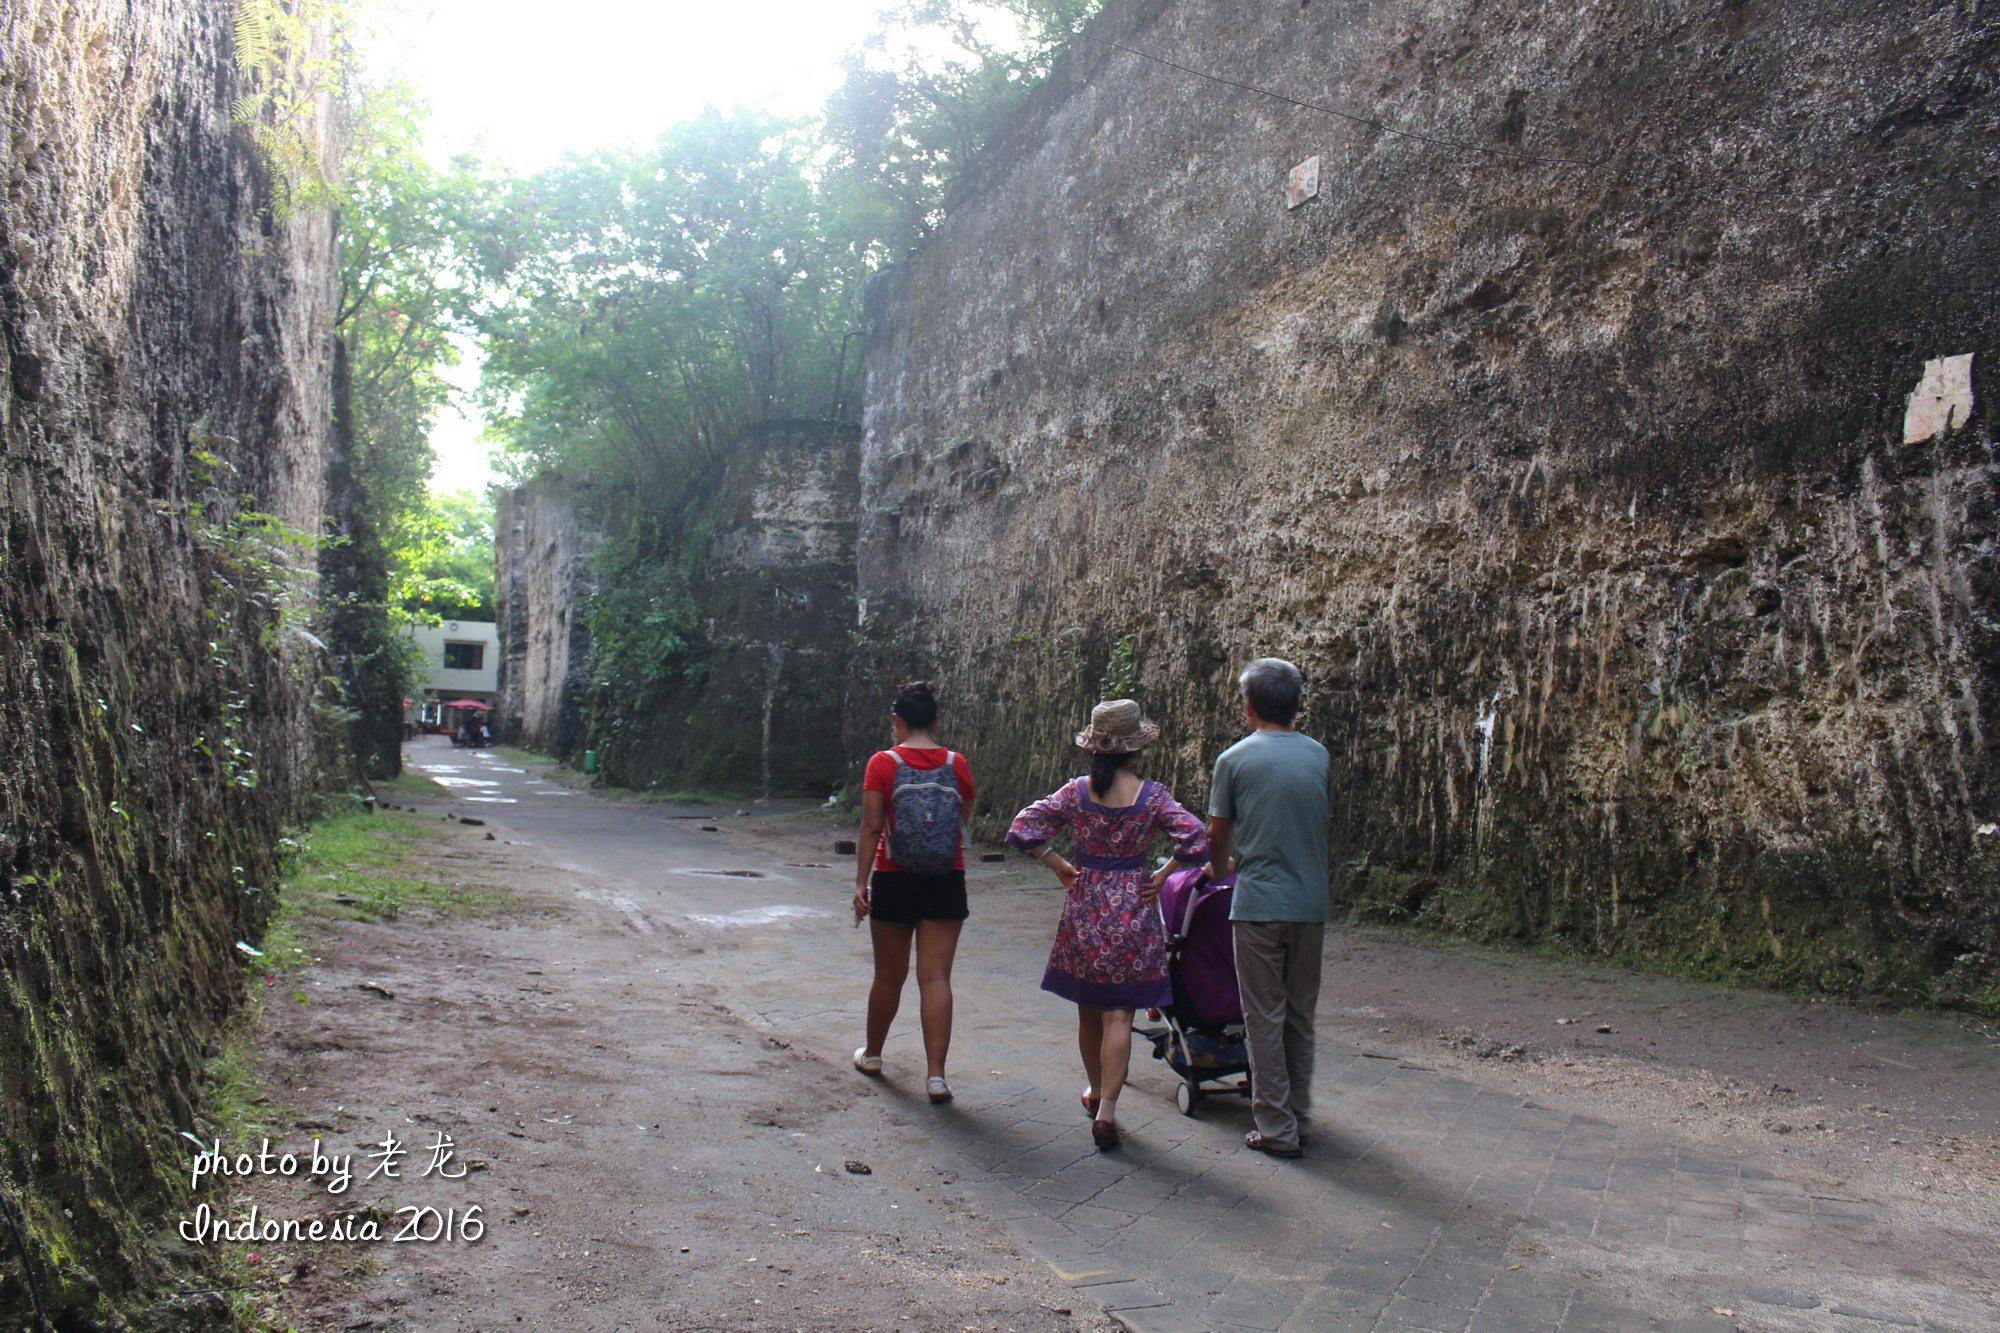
1197,908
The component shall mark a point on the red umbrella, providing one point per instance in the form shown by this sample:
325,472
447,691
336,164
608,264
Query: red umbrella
463,703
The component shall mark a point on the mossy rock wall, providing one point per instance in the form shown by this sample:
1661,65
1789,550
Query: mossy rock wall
151,307
754,705
1633,615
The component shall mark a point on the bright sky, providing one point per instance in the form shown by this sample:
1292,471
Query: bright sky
526,81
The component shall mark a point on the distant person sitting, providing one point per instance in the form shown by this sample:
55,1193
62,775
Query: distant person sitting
1268,803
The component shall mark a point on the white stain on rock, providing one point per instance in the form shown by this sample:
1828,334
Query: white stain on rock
1942,400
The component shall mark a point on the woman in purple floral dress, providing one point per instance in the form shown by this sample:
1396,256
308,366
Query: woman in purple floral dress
1110,953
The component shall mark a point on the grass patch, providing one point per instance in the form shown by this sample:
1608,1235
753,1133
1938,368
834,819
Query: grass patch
409,786
514,754
238,1110
351,865
361,866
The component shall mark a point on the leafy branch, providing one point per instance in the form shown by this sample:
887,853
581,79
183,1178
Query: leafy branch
287,54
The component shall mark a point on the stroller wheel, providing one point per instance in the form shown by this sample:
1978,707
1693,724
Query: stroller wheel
1187,1096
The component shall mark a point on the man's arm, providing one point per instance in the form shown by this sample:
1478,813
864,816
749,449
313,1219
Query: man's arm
1221,863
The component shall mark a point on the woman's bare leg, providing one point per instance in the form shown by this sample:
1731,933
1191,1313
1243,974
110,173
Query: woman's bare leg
1090,1045
1115,1055
892,965
937,945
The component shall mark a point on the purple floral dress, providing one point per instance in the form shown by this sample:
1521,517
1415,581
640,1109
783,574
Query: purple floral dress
1110,952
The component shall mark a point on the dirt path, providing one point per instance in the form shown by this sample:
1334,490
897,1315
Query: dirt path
646,1049
642,1156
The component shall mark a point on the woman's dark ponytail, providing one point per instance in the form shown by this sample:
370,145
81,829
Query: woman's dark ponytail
916,704
1104,768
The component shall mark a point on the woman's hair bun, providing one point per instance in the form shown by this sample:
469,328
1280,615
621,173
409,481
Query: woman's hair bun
916,703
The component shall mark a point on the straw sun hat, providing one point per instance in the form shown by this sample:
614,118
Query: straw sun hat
1117,727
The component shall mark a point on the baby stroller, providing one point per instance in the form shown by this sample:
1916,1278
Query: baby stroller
1203,1038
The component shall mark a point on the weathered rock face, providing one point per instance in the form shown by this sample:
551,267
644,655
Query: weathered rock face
753,703
542,584
157,725
1580,493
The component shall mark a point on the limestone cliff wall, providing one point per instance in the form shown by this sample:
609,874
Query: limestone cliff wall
1581,493
157,732
753,704
542,584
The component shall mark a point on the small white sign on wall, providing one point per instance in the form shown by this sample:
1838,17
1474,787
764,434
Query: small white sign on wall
1941,401
1304,183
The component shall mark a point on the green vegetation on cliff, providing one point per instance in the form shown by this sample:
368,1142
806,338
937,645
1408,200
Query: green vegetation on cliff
415,243
662,312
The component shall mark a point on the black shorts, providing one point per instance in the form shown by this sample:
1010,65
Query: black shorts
901,898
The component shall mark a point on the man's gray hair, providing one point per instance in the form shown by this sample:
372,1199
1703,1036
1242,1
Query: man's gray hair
1273,686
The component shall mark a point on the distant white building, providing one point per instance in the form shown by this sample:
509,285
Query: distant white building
461,661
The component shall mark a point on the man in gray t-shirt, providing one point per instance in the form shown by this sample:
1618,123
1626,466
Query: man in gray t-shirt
1268,803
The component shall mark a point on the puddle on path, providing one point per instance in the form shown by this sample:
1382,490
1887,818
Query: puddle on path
759,916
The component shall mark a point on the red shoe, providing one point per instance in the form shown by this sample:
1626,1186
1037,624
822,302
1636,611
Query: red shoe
1090,1105
1105,1135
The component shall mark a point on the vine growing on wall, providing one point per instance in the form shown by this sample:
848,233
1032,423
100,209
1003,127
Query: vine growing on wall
257,582
291,57
1121,670
909,119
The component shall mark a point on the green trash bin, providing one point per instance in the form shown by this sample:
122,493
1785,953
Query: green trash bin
590,761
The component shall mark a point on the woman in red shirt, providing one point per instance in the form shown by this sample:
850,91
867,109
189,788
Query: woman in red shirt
916,893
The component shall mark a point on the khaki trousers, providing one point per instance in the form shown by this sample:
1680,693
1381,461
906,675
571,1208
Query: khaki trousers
1277,971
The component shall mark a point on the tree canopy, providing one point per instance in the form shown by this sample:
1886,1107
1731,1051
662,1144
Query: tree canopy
637,312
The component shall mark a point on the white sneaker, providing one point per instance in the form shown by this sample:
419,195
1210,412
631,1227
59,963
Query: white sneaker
939,1090
866,1063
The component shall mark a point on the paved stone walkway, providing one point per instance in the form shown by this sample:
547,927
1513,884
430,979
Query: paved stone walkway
1425,1201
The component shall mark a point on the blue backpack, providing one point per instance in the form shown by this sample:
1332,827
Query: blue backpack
923,825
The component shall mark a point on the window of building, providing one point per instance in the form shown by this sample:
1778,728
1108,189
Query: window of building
464,656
